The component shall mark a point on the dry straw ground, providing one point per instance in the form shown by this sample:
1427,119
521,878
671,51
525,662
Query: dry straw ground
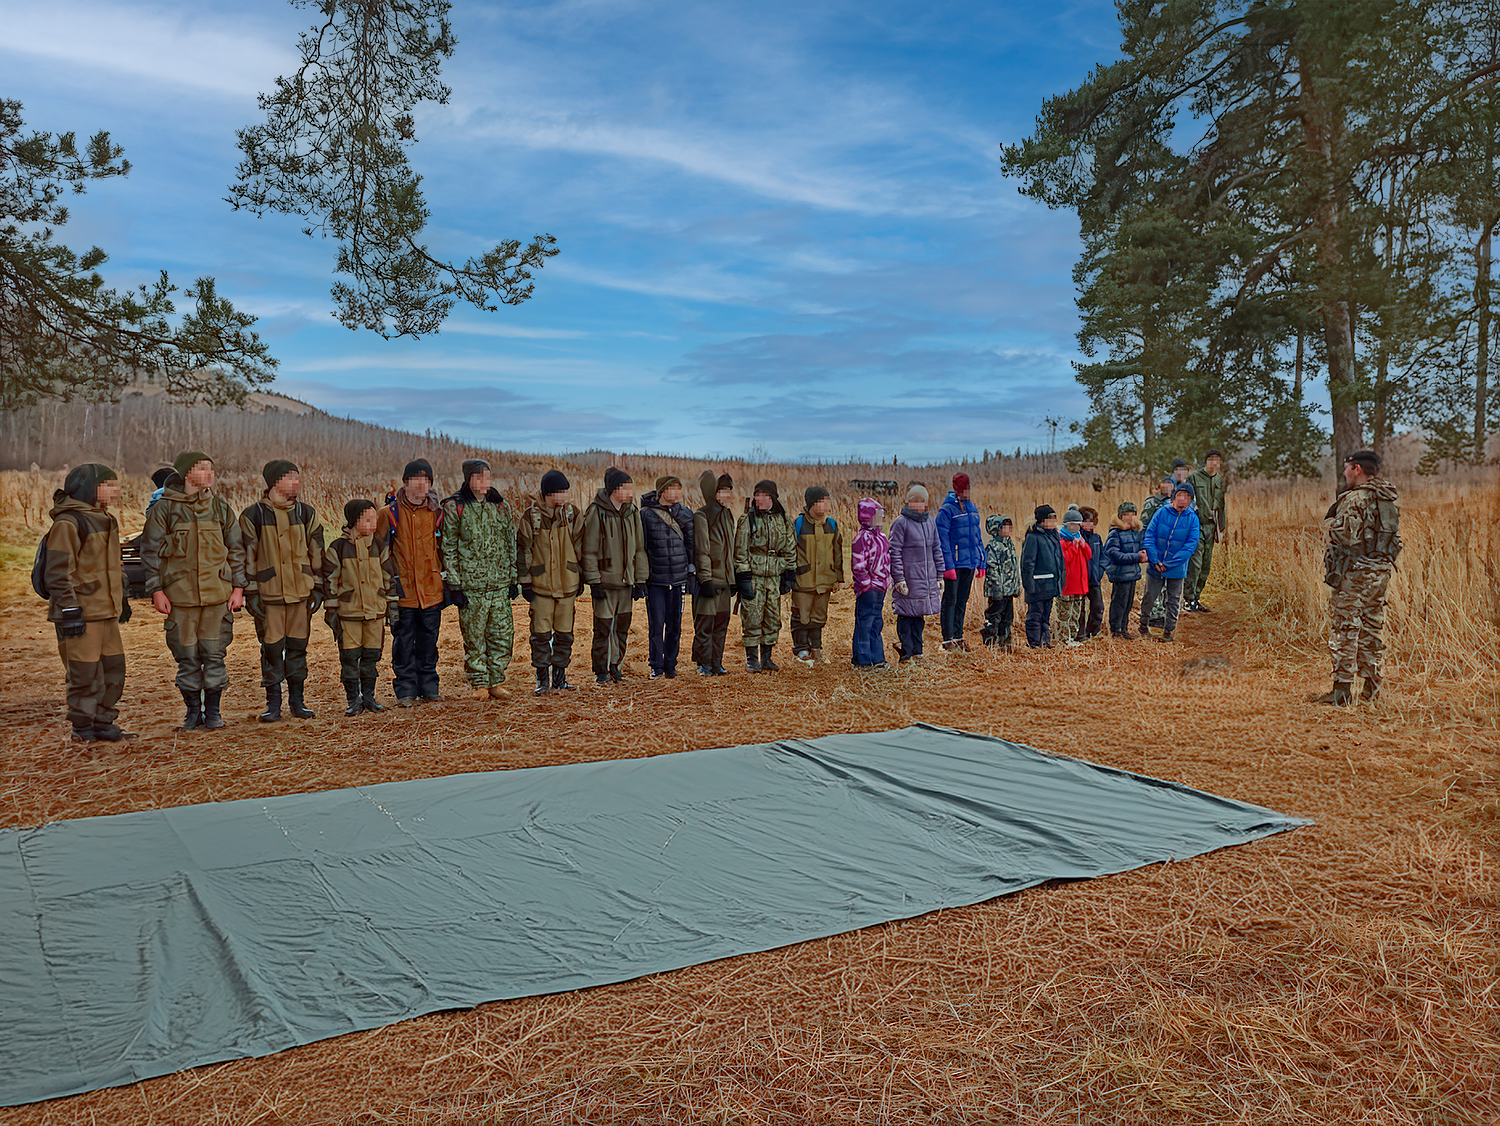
1345,972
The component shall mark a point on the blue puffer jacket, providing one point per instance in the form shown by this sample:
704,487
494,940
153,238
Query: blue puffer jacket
1171,538
959,535
1096,560
1122,550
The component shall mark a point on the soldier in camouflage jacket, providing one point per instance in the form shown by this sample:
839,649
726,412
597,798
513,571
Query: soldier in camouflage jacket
1363,542
478,535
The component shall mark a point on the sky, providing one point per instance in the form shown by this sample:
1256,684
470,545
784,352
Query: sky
784,230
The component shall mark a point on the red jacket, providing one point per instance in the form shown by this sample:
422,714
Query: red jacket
1076,556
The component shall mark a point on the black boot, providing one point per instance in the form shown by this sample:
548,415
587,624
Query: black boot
294,700
1371,690
211,716
367,694
752,658
273,704
194,701
766,664
351,691
560,680
543,683
1340,696
85,734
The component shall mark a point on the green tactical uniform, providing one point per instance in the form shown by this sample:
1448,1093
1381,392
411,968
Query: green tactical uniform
764,547
1363,541
479,558
1208,499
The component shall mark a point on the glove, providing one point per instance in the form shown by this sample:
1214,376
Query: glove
902,589
979,573
254,604
125,612
950,576
788,580
692,586
707,590
72,624
392,613
514,592
314,601
596,591
526,592
638,591
458,598
331,617
743,586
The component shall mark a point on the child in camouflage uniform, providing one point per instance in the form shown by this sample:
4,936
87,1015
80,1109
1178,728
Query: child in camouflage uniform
362,590
765,562
1002,581
478,535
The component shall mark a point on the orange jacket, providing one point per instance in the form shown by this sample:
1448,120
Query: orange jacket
414,548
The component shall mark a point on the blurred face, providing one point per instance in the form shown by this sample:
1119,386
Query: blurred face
623,495
1211,466
1181,473
917,504
672,494
1181,501
820,509
1050,524
725,497
107,493
365,525
1006,529
1088,525
557,499
763,502
288,485
201,476
479,483
418,487
1166,488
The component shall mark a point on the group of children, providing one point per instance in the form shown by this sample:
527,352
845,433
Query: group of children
395,567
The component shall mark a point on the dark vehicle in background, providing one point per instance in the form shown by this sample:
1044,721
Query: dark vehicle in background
135,570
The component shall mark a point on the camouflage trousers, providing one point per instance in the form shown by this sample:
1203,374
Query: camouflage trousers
489,632
761,616
1357,608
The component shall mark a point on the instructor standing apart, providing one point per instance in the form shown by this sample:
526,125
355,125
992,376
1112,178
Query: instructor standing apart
1213,521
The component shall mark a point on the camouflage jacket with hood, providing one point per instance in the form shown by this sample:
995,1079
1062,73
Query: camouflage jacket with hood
1002,566
361,577
192,549
1360,537
479,542
763,541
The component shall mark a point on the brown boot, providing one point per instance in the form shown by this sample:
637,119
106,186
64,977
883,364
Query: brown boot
481,692
499,692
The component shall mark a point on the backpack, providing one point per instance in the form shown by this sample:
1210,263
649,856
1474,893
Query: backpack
1386,542
39,564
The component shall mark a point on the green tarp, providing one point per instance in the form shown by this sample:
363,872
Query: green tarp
140,944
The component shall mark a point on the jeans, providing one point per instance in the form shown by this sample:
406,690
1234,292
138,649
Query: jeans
909,634
955,602
1155,584
414,652
1039,623
664,623
869,618
1121,600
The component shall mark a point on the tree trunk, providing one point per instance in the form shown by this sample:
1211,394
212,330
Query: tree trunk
1482,355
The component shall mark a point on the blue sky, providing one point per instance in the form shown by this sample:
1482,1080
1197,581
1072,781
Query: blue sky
782,226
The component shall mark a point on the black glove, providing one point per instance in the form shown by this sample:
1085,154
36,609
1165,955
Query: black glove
125,612
692,586
788,580
314,601
457,598
72,624
526,592
331,617
744,586
707,590
638,591
514,592
596,591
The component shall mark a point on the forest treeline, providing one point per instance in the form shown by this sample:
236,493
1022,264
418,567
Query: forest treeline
1273,190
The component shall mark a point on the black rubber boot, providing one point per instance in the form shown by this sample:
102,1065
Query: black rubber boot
85,735
543,683
560,680
194,701
351,692
1340,697
766,664
294,700
1370,691
752,658
211,716
367,694
273,704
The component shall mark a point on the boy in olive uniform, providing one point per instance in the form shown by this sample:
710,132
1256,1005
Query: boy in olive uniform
615,567
362,591
86,600
194,559
549,542
820,572
713,549
479,559
284,561
765,568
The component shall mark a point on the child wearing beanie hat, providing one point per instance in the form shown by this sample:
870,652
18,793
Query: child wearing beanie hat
765,562
713,566
360,602
1076,555
549,543
916,572
1042,575
821,551
958,529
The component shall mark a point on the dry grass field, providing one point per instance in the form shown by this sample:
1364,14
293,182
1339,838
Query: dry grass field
1345,972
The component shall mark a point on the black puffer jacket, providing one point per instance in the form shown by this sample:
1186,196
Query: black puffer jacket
669,541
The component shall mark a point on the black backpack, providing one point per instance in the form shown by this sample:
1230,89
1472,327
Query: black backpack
39,564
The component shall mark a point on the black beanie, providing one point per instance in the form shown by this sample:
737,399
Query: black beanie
82,482
162,476
768,487
725,482
1043,511
1368,460
813,493
354,509
553,481
276,470
614,477
474,465
418,468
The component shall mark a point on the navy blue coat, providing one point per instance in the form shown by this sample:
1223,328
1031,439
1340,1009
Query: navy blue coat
1096,560
669,553
1122,552
1042,569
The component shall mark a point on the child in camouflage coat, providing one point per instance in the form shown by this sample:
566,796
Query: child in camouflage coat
1002,581
478,534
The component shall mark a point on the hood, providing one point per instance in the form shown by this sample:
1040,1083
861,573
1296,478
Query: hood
952,498
82,483
650,500
62,502
708,485
1038,530
776,508
602,502
465,495
992,524
1382,488
870,510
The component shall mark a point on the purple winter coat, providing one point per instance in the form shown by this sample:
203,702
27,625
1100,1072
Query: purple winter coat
916,560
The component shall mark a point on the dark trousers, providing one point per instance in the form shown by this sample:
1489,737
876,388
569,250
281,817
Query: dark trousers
1039,622
955,602
414,652
1090,623
1156,584
869,620
664,624
1121,600
999,616
909,634
710,632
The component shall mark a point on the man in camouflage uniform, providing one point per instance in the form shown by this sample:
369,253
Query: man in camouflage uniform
1363,542
765,568
1208,498
194,560
479,560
